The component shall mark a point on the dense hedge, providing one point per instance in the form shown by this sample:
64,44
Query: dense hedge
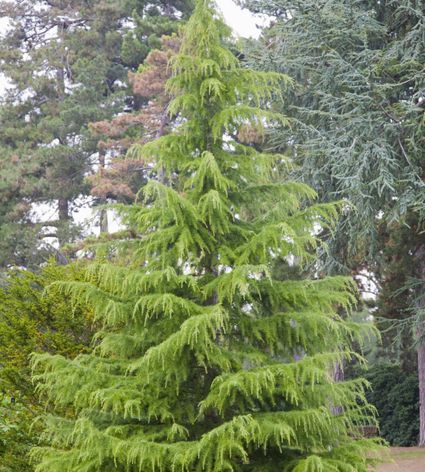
32,320
395,395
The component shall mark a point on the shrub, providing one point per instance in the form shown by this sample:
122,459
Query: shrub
395,394
32,320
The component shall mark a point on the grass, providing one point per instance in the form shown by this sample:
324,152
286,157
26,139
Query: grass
413,453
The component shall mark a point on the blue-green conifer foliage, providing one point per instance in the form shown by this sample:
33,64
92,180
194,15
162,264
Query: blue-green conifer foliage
205,360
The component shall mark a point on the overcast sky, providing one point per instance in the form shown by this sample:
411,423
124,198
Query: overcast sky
242,21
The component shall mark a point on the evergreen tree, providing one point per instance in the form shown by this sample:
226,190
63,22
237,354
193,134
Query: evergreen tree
207,360
151,21
148,46
65,65
358,134
59,60
122,177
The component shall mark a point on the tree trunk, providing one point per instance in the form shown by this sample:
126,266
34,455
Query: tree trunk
421,352
161,132
63,203
104,223
338,373
421,375
338,376
63,209
60,71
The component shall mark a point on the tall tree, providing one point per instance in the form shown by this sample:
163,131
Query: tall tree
59,59
66,66
358,133
195,367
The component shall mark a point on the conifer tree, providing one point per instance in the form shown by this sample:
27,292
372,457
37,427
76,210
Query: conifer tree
122,177
65,65
359,109
60,62
207,360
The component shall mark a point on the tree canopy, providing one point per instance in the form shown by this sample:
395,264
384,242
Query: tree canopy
33,321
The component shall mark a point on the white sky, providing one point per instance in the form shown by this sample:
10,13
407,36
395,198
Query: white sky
242,21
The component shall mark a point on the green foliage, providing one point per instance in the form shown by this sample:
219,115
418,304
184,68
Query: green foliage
358,133
399,292
151,21
15,435
396,397
60,60
205,360
32,321
357,109
66,64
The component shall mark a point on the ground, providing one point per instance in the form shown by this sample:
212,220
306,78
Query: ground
406,459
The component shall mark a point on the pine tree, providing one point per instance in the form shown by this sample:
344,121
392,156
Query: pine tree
65,65
151,20
207,360
59,59
146,47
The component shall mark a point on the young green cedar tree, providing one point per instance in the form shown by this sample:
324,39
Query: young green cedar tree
206,361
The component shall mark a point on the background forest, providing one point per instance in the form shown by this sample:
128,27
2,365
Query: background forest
257,234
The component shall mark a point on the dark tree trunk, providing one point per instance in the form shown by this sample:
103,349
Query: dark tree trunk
104,223
63,203
338,373
161,132
63,208
338,376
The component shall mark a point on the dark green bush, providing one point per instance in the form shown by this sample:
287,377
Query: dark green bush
395,395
